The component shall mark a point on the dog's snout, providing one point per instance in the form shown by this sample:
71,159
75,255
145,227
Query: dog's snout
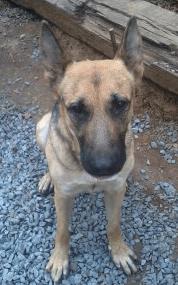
101,163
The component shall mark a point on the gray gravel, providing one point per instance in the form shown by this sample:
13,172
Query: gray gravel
11,13
27,220
141,123
166,141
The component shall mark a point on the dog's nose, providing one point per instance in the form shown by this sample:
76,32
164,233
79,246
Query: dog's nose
103,166
103,162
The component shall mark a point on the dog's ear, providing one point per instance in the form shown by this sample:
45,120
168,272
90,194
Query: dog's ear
52,54
130,50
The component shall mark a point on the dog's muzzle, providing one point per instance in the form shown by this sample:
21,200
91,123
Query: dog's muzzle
101,164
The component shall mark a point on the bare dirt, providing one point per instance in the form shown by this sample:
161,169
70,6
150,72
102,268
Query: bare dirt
21,81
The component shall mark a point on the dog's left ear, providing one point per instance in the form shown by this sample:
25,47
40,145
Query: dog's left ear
52,54
130,50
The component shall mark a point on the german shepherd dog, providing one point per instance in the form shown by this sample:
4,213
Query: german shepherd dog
87,138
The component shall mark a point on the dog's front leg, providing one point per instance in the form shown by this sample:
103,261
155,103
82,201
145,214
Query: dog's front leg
121,253
59,260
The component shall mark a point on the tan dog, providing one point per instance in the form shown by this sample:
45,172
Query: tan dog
87,138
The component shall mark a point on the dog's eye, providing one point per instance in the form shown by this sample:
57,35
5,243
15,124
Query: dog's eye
78,111
118,105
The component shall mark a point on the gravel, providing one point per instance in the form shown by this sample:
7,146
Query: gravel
154,145
11,12
27,219
141,123
165,189
166,141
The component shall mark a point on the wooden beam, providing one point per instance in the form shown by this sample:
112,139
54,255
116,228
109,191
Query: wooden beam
91,20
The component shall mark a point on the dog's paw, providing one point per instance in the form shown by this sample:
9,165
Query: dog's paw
45,185
58,265
124,256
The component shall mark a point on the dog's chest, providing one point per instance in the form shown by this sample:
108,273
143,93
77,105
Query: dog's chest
79,188
86,183
71,180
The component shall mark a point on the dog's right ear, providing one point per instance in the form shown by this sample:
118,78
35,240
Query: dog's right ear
131,51
52,54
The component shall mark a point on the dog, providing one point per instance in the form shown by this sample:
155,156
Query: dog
87,138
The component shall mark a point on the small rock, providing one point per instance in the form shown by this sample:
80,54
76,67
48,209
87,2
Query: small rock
154,145
137,121
170,190
157,187
142,171
143,262
77,278
161,143
22,36
135,130
162,151
140,130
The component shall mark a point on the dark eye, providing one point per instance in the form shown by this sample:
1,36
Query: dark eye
75,108
78,111
118,105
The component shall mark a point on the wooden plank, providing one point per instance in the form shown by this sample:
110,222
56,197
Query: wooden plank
90,22
119,11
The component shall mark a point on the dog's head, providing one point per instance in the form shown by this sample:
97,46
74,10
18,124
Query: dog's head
97,98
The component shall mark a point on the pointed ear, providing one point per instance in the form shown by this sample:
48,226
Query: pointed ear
130,50
52,54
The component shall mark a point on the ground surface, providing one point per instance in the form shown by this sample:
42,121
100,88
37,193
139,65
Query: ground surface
27,220
167,4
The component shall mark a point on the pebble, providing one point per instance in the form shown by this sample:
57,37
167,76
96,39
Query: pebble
154,145
161,143
142,171
22,36
162,151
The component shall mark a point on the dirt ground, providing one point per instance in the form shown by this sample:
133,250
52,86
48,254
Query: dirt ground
21,80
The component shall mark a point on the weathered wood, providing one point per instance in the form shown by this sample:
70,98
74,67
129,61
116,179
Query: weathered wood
90,21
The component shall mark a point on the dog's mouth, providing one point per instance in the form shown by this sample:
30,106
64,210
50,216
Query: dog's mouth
102,178
102,174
